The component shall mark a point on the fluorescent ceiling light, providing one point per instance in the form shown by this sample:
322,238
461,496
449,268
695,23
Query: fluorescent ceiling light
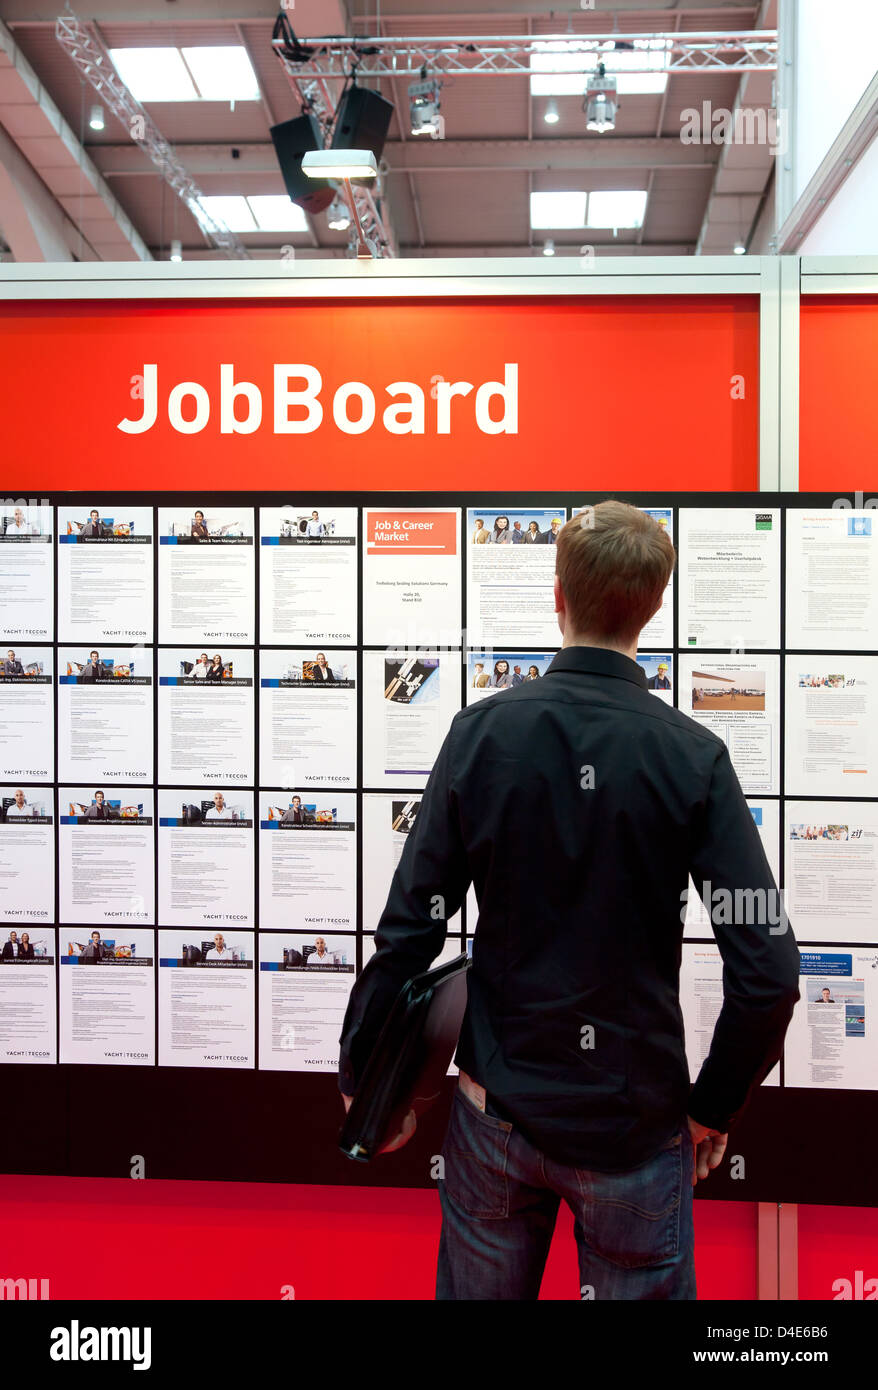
557,210
561,68
154,74
275,213
222,73
558,69
616,209
232,210
260,212
340,164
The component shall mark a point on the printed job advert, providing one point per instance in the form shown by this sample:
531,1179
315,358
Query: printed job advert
831,746
766,818
307,574
207,1011
206,575
701,998
411,577
832,579
729,563
107,997
387,823
105,574
27,995
831,870
659,631
739,699
205,716
408,705
305,982
27,853
27,748
106,855
206,857
105,713
308,717
308,860
510,575
832,1035
27,580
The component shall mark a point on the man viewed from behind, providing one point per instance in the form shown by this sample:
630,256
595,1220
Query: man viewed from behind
574,1083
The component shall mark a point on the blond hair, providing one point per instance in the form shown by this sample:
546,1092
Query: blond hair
613,562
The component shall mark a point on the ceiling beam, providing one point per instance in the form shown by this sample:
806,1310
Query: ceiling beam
411,251
475,9
441,156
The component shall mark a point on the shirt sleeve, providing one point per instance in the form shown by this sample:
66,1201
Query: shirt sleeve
428,888
758,949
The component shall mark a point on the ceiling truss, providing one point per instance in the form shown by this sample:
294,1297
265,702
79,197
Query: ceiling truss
338,57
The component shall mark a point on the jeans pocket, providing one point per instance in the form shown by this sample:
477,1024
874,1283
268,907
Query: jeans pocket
633,1218
475,1153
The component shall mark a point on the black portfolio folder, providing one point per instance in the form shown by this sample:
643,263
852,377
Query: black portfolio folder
410,1060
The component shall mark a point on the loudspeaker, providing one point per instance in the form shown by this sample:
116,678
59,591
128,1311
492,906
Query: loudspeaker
362,121
292,141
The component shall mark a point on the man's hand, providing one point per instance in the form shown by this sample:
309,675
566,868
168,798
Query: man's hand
710,1147
409,1125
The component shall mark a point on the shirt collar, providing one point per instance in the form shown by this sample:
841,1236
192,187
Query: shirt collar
598,661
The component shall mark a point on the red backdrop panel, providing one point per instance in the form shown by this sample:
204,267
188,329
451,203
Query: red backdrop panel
838,423
614,393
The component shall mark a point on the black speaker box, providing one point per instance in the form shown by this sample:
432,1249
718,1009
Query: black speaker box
292,141
362,121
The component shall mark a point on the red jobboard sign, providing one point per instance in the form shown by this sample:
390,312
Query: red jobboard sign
612,392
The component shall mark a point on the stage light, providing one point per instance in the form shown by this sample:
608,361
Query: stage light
551,115
600,103
548,247
176,250
340,164
96,117
424,107
740,249
338,217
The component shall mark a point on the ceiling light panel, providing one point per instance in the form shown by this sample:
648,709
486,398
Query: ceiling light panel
154,74
555,211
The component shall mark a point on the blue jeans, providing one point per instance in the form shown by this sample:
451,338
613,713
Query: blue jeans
500,1199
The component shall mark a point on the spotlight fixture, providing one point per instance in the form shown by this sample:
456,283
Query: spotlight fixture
340,164
424,107
601,103
96,117
176,250
548,247
338,217
740,249
346,164
551,114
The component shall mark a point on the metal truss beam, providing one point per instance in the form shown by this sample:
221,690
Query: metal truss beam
94,65
739,51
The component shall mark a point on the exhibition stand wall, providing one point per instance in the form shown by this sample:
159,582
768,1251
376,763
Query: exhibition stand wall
244,591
